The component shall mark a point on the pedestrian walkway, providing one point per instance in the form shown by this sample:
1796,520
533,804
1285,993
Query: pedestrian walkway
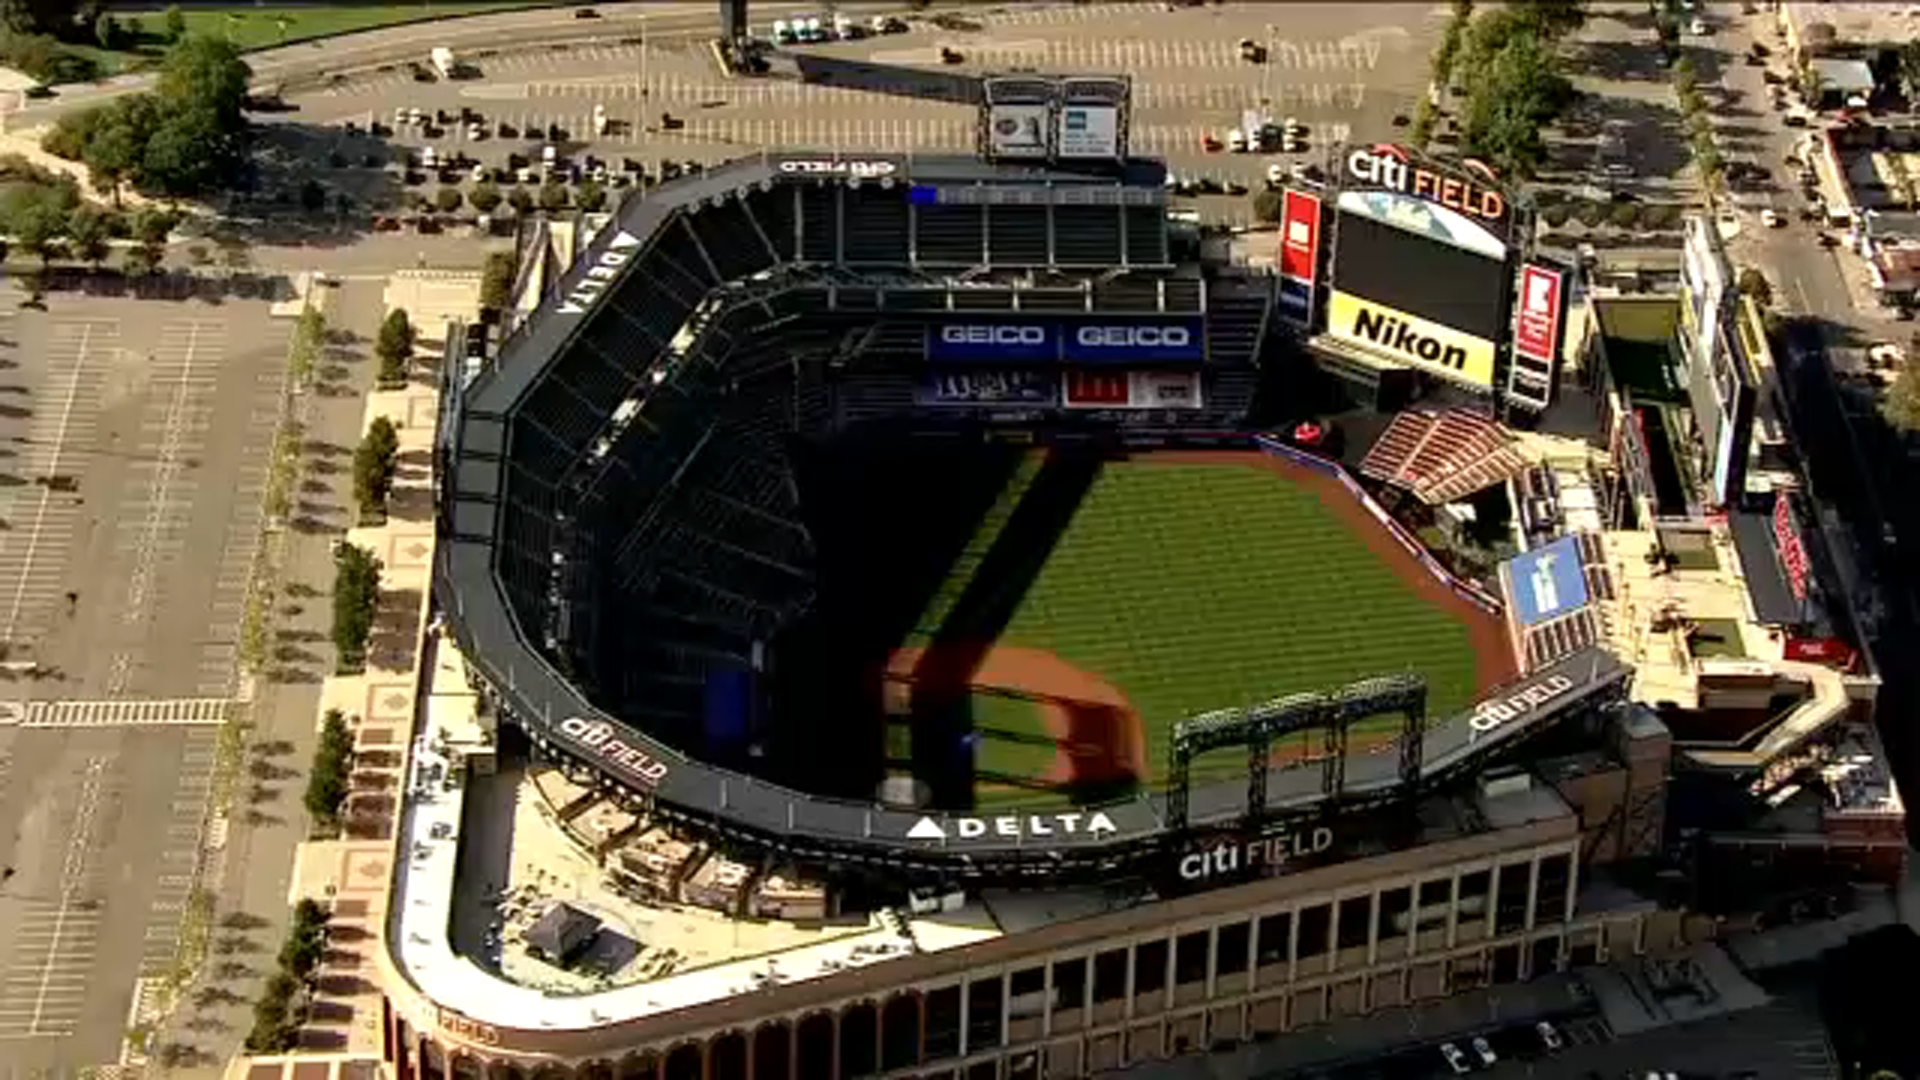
178,712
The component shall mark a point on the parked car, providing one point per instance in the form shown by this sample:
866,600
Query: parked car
1771,219
1456,1060
1484,1051
585,13
1549,1036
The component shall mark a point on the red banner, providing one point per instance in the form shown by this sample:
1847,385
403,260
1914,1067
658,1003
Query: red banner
1820,650
1300,236
1092,389
1786,540
1536,322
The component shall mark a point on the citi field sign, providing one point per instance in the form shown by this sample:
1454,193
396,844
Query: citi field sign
1471,191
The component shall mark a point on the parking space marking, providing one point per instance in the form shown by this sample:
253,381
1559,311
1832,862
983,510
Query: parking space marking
30,567
44,989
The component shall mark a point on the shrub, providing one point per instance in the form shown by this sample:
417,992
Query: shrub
1268,206
1624,215
1554,215
496,281
1753,283
484,197
394,348
520,199
326,791
1590,213
448,199
374,462
553,197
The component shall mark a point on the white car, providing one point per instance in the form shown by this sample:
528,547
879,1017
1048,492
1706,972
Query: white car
1698,28
1549,1037
1456,1060
1771,219
1885,354
1484,1052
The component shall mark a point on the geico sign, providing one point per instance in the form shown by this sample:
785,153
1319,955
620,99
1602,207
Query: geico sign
1267,853
1130,337
1391,168
838,168
601,273
1489,715
993,335
599,736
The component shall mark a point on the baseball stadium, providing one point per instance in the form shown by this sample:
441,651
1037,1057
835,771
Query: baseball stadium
901,564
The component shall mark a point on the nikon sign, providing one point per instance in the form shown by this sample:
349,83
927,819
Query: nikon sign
1401,340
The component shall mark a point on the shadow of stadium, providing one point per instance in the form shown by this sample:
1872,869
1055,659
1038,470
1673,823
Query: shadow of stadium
944,730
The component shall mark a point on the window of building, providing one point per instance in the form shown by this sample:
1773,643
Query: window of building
1070,982
1028,981
1230,949
1550,898
1190,958
1109,976
1150,967
1510,902
1356,918
1394,921
1436,898
1274,931
1026,992
1473,895
983,1014
943,1022
1314,924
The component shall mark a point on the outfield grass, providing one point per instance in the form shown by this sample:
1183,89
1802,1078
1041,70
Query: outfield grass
1196,587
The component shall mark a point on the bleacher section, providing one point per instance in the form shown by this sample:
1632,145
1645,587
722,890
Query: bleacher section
1442,455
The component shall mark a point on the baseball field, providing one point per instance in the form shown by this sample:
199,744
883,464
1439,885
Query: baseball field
1177,583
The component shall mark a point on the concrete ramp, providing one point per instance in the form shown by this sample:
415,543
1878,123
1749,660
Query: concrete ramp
1826,703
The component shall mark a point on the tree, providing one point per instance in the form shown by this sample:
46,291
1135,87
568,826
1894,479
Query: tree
89,228
553,197
1268,206
1909,73
153,226
189,154
327,784
1554,18
484,196
1901,403
175,23
447,200
206,74
496,281
313,197
394,345
107,31
1813,86
520,200
375,461
1754,284
144,259
592,197
356,592
118,141
1421,132
39,219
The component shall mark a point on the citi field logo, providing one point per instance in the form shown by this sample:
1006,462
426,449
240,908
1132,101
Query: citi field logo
1395,334
1489,715
839,168
600,737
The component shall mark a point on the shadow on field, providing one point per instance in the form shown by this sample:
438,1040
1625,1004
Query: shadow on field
944,734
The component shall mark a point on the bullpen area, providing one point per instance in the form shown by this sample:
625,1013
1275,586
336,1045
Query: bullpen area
1101,599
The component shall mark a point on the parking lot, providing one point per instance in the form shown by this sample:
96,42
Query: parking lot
133,453
1344,72
101,833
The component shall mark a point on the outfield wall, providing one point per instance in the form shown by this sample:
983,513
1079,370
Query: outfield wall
1466,590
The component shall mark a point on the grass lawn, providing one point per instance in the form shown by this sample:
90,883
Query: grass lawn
1196,587
264,26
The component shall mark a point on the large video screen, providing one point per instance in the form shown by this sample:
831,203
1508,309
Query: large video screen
1424,277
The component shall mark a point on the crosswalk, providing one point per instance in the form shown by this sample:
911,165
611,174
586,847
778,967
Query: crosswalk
118,712
41,509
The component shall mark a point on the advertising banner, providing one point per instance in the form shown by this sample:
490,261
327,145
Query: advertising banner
1536,325
1133,390
1416,343
1002,341
1786,541
1547,582
1089,131
1299,250
1018,131
1136,341
973,388
1421,218
1469,189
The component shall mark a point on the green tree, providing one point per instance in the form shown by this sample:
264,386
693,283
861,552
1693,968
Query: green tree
1421,131
394,344
327,786
1554,18
37,217
152,225
375,461
89,229
356,592
592,197
553,197
447,200
1511,98
189,154
496,281
117,143
206,74
1754,284
1909,72
175,23
1901,403
520,200
1268,206
144,259
37,16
